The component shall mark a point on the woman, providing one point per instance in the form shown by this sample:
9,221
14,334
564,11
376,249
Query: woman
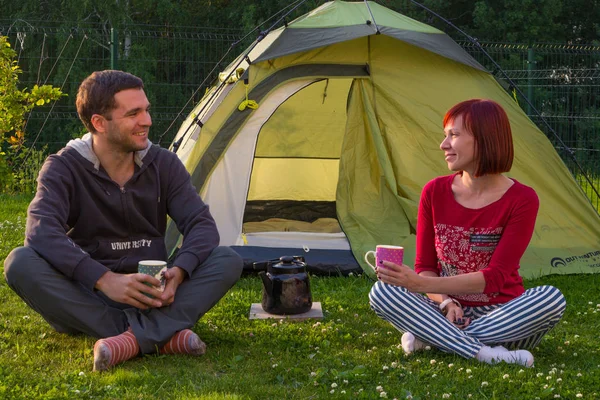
473,228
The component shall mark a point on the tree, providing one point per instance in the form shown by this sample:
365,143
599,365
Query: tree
15,103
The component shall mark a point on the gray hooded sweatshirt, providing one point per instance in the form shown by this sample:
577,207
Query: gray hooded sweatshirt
84,224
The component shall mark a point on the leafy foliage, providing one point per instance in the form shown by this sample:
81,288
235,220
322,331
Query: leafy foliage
15,103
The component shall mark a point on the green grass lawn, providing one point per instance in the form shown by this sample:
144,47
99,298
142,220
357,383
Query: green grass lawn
349,354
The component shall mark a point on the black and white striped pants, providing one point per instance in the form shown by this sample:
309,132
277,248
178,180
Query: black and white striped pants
518,324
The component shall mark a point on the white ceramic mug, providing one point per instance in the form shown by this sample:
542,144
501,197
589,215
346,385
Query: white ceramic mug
155,268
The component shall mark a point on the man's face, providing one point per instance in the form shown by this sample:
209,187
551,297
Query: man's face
127,126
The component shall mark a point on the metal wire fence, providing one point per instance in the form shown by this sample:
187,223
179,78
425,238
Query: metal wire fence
172,61
561,81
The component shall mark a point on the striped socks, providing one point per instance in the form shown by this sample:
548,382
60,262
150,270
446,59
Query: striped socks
114,350
184,342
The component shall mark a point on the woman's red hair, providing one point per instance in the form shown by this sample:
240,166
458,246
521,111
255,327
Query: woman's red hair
489,124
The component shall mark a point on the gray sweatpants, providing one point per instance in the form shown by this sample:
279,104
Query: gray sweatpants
69,307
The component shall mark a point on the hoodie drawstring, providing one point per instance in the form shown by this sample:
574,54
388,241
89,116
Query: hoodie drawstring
157,180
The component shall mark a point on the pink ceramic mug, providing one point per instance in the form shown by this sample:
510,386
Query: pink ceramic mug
385,252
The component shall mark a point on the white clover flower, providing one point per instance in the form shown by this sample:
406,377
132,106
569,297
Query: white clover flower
469,395
484,383
579,395
434,375
345,381
521,371
379,389
334,385
274,365
567,343
394,364
385,367
559,380
25,316
343,392
548,377
557,396
468,371
383,395
505,376
469,377
579,374
313,373
77,391
574,354
332,391
590,303
446,396
432,362
450,365
545,386
427,348
81,373
539,374
576,336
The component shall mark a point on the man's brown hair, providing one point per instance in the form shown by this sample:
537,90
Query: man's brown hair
96,94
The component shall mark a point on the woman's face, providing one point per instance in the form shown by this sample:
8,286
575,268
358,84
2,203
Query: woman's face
459,146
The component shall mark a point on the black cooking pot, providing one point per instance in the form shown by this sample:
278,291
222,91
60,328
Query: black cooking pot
286,286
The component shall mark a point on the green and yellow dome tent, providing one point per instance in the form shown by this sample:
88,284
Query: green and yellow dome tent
318,141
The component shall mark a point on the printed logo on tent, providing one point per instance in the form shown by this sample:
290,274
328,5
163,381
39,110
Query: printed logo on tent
592,259
558,262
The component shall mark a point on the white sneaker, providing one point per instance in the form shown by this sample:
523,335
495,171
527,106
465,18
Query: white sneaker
410,343
494,355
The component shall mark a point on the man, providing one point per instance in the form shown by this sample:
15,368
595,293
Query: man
101,206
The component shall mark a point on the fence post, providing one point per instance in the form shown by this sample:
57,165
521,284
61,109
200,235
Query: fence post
530,64
114,48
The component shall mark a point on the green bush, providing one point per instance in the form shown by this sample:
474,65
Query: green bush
18,164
